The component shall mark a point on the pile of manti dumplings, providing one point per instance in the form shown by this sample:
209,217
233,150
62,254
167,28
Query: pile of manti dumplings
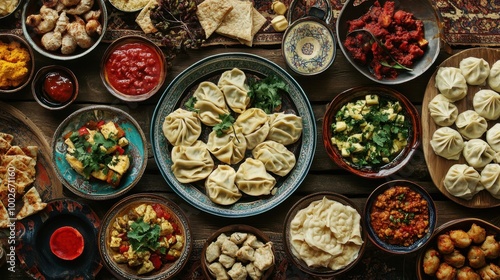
465,138
246,153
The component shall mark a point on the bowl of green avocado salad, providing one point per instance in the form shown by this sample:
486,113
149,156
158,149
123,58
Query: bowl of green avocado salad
371,131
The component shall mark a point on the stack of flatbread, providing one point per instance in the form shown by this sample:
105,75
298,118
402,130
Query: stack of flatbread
17,173
236,19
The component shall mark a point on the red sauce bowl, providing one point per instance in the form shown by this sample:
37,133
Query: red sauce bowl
133,68
67,243
54,87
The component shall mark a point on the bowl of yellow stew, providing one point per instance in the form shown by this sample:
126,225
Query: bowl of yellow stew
17,63
145,236
371,131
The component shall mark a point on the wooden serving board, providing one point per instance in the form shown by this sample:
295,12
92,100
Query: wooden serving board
438,166
26,133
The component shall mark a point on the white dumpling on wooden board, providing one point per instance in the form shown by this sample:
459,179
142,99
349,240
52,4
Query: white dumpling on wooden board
494,77
490,179
475,70
486,103
442,110
478,153
462,181
451,83
493,137
447,142
471,125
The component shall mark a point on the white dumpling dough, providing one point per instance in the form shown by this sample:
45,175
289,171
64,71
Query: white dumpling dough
493,137
478,153
285,128
451,83
253,179
490,179
254,124
462,181
181,127
442,110
230,147
191,163
447,142
210,103
275,156
486,103
471,125
494,77
475,70
220,186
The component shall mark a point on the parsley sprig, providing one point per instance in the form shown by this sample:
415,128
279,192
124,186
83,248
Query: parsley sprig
265,93
143,236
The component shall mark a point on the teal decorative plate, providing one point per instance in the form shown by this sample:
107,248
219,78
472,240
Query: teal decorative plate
93,188
210,68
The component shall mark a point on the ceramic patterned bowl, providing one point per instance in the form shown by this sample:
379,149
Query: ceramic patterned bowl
405,221
174,225
93,188
309,46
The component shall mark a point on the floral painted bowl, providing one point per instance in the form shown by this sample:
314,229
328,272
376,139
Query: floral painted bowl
309,46
93,188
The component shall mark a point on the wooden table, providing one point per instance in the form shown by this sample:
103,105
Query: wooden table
323,176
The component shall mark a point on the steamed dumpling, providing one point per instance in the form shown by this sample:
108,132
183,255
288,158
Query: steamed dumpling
447,142
236,98
442,110
478,153
275,156
254,123
220,185
253,179
486,103
471,125
493,137
451,83
230,147
233,77
191,163
210,103
285,128
494,77
462,181
181,127
475,70
490,179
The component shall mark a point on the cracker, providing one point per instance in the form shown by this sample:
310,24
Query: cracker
211,13
144,17
258,20
238,22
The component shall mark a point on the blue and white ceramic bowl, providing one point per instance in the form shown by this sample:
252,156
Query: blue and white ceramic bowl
309,46
96,189
181,89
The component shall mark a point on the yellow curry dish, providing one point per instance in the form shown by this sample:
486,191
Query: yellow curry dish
98,150
13,64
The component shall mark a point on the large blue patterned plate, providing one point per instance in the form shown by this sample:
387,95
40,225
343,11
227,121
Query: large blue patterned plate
210,68
93,188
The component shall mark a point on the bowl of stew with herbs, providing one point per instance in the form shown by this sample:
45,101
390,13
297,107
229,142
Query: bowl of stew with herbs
400,216
371,131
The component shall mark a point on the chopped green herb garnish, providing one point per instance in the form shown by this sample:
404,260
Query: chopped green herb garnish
143,236
265,93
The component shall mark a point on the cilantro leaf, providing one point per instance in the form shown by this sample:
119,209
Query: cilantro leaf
190,104
265,93
143,236
226,123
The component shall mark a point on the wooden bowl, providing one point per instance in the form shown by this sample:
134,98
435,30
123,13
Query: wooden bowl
7,39
458,224
228,230
379,171
320,272
399,249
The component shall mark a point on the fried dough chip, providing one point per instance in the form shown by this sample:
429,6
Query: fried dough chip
237,24
258,20
4,216
211,13
32,204
143,19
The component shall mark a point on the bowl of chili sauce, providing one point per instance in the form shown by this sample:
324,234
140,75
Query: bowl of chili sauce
54,87
133,68
67,243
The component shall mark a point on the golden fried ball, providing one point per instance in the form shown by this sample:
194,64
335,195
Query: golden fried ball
490,272
491,247
476,257
455,259
445,244
431,261
446,272
467,273
460,238
477,234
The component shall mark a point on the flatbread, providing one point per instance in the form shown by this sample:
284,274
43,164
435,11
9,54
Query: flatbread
4,216
143,19
237,24
32,204
5,140
258,20
211,13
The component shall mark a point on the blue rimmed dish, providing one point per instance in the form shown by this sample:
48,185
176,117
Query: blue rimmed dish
409,219
180,90
34,232
136,149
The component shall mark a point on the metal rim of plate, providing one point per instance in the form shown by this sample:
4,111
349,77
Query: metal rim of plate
211,66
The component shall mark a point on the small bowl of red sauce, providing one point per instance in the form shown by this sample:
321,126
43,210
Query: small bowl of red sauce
400,217
54,87
67,243
133,68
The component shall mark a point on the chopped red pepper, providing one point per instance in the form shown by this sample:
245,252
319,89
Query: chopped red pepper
123,248
120,150
155,259
83,131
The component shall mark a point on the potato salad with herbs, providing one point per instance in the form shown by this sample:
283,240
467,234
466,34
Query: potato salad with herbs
145,238
370,131
97,150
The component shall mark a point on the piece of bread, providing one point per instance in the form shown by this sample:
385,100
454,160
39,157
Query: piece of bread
258,20
143,19
4,216
211,13
237,24
32,204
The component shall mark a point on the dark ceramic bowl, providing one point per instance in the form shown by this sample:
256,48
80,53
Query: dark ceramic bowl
32,7
13,10
378,171
422,10
123,270
399,249
309,46
95,189
228,230
459,224
7,39
320,272
133,39
40,94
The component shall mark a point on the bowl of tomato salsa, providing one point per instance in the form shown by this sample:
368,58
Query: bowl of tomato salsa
67,243
133,68
400,216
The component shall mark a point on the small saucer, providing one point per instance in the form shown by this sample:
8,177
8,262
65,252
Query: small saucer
309,46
